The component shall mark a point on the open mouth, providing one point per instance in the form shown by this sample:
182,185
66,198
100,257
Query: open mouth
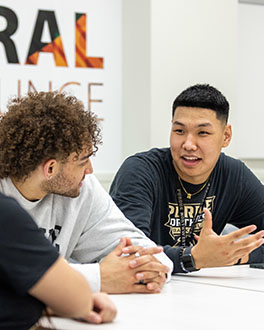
190,160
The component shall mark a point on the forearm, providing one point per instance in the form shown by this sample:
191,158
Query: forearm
64,290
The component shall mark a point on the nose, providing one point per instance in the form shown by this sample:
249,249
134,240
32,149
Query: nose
89,167
190,143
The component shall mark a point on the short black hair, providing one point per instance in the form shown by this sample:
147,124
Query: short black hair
203,96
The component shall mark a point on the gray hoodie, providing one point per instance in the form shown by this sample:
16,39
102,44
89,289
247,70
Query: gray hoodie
85,229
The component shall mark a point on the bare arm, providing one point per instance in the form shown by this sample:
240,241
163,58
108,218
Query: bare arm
64,290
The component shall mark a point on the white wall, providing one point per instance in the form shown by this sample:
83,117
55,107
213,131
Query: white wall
169,45
250,101
191,42
136,76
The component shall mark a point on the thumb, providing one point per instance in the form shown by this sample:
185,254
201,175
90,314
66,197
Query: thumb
196,237
94,317
208,223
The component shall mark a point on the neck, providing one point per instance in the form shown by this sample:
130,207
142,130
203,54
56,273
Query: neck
191,193
193,182
29,188
197,179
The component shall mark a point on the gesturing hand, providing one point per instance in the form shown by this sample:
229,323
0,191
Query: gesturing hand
213,250
119,273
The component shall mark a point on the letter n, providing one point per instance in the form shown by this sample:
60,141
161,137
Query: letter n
81,59
11,28
55,46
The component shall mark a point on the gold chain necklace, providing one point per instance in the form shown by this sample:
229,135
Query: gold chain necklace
189,195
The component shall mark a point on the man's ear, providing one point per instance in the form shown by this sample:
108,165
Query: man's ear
227,135
49,168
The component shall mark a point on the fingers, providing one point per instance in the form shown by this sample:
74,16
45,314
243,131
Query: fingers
104,309
250,239
244,246
124,242
108,313
148,263
142,251
154,285
157,283
151,250
128,241
248,246
147,277
196,237
208,223
94,317
132,249
149,288
237,234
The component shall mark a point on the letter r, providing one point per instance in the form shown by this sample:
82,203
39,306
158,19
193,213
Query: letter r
12,24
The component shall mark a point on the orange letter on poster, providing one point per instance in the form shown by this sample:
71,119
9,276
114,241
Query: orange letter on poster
55,46
81,59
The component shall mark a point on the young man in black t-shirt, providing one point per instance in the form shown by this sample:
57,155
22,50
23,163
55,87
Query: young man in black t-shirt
166,192
32,275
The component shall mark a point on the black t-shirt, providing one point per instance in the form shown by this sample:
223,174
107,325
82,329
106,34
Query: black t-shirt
25,256
145,187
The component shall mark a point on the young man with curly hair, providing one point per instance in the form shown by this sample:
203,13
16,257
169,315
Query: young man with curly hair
166,192
46,141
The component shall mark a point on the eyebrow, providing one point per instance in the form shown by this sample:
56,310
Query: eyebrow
176,122
87,156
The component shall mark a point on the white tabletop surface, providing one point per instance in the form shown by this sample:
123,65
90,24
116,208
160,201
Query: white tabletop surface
242,277
217,298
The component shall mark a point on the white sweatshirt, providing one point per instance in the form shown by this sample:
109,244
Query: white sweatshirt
86,228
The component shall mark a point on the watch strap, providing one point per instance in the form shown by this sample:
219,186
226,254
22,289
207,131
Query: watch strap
186,260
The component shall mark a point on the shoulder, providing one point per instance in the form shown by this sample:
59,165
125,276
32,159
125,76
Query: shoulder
229,164
16,223
12,214
154,154
144,167
152,159
145,170
234,171
9,206
92,193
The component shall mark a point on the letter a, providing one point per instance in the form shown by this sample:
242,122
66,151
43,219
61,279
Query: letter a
55,46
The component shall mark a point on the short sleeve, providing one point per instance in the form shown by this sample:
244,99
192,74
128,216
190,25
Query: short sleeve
25,252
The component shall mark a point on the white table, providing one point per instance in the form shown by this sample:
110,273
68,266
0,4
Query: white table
241,277
211,299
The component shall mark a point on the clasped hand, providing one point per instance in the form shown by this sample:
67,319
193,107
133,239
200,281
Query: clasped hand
128,265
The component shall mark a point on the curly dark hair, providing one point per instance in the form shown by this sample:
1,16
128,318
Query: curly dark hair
41,126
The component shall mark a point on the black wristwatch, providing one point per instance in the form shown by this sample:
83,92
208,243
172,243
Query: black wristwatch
186,260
